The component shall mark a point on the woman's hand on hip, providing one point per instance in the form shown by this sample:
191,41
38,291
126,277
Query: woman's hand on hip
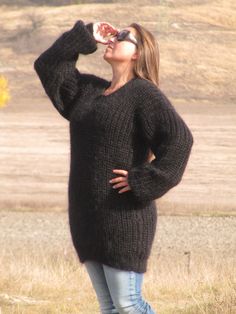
121,181
101,30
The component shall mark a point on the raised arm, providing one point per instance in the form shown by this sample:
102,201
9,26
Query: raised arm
170,140
56,67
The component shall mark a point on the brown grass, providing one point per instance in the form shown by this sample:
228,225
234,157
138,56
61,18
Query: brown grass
44,282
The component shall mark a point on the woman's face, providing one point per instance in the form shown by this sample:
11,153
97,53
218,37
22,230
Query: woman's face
121,50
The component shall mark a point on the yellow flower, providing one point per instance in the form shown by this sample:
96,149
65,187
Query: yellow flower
4,91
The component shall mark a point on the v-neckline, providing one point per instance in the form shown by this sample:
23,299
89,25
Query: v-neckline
118,89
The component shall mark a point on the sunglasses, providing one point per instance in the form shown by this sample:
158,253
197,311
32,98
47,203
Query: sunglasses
126,35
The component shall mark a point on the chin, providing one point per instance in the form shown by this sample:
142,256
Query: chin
107,60
105,56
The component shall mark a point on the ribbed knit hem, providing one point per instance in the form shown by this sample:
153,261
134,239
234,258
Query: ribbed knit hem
136,265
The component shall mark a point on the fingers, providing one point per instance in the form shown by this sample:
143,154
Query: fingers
122,181
121,171
102,42
127,188
119,179
103,30
107,24
108,27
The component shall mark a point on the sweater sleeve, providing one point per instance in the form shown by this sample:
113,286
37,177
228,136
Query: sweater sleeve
56,67
170,139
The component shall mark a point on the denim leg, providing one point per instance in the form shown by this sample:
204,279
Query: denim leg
125,291
96,274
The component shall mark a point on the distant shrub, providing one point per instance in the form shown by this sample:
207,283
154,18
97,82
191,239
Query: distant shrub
4,91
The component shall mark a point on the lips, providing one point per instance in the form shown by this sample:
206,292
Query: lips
108,47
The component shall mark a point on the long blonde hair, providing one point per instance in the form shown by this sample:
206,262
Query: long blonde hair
147,65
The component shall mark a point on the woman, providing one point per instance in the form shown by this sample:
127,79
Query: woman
114,125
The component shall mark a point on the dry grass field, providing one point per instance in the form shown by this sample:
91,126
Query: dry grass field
54,283
191,269
197,46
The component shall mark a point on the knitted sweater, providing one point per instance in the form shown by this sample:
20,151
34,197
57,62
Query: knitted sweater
109,132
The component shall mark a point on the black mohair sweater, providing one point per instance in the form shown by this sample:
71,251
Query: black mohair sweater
113,132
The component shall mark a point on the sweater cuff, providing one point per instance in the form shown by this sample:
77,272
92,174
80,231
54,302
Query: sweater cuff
89,27
138,183
81,36
79,39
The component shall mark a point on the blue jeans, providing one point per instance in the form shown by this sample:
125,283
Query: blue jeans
118,291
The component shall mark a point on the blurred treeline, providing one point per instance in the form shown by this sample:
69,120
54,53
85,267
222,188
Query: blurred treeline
53,2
